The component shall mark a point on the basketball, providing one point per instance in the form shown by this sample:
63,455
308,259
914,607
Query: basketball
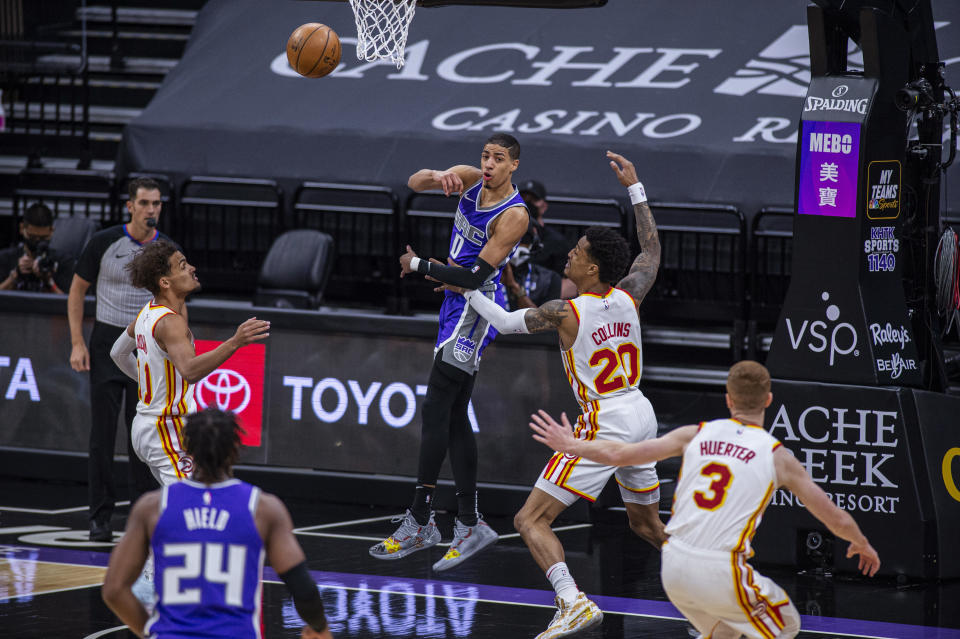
313,50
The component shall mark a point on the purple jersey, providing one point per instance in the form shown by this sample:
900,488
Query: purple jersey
208,562
463,333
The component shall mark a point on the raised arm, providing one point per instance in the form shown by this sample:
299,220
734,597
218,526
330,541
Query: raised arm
643,271
559,437
793,475
174,337
453,180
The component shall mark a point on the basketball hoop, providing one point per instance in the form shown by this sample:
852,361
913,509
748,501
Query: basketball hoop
382,27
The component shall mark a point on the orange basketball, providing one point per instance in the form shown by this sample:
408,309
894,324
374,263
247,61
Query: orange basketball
313,50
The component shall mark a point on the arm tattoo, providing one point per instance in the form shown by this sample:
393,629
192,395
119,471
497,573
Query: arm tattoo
546,318
643,271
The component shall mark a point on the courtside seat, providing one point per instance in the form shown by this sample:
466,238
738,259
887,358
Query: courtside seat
295,271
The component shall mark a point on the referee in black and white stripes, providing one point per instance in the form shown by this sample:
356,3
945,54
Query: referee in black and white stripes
103,262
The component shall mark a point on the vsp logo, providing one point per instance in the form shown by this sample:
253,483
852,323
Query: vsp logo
837,339
840,91
228,389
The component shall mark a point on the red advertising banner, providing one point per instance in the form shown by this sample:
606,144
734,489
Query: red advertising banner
236,386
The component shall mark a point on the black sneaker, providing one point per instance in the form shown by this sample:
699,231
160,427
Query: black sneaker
100,531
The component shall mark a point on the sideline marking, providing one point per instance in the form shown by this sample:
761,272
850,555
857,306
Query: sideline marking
58,511
308,531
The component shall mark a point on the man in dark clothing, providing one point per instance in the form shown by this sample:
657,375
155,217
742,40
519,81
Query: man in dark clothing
553,255
32,265
529,285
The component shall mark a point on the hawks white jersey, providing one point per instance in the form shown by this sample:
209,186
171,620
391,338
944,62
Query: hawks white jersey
726,481
163,391
606,358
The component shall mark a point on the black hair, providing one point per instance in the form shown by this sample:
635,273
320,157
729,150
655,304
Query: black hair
508,142
610,253
150,264
136,184
212,439
38,214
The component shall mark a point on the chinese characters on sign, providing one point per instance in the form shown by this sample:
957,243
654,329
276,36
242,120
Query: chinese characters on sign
829,155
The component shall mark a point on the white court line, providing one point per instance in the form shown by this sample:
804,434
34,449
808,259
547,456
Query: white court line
338,524
309,533
103,633
533,605
49,592
59,511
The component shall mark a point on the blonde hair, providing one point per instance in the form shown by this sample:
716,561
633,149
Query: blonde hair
748,384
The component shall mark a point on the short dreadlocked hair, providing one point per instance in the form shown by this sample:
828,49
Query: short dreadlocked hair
212,439
150,264
609,252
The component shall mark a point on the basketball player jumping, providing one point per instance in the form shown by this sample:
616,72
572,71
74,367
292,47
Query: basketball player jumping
600,343
490,221
730,470
209,536
166,363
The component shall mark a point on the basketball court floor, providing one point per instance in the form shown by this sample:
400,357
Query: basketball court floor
50,576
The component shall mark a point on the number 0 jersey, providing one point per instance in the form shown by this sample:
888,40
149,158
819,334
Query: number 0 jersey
208,559
726,481
163,391
606,358
463,334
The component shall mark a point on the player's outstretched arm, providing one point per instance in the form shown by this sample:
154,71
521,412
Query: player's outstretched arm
453,180
559,437
122,353
174,337
643,272
287,559
126,562
793,475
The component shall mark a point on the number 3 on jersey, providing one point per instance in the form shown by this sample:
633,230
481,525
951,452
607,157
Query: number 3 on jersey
718,487
626,359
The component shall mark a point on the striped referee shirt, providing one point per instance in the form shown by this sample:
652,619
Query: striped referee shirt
103,263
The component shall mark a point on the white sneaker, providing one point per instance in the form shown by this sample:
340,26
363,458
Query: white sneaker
408,538
579,615
467,541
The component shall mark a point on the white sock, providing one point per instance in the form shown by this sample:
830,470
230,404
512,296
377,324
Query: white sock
562,581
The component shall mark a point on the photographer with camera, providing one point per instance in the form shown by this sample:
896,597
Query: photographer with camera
31,265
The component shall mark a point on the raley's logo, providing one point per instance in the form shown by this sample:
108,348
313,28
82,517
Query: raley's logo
887,334
237,386
837,340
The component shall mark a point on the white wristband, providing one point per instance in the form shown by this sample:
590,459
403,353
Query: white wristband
637,194
415,264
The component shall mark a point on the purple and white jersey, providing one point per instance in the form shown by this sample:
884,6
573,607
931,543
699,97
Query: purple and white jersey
208,562
463,333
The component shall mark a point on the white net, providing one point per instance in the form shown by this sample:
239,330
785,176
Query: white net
382,28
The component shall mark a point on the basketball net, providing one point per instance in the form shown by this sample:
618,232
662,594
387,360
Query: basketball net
382,27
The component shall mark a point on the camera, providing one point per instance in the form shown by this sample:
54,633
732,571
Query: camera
917,94
46,264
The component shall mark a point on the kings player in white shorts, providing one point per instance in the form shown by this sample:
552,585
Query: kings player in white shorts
166,364
730,469
600,345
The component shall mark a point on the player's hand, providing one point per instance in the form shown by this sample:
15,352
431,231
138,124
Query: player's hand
623,168
26,264
869,559
310,633
253,330
405,261
80,357
548,432
449,181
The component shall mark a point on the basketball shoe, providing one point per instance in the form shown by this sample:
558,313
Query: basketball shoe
467,541
408,538
143,587
577,616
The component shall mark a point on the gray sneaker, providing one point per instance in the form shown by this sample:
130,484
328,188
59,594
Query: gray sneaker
408,538
467,541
